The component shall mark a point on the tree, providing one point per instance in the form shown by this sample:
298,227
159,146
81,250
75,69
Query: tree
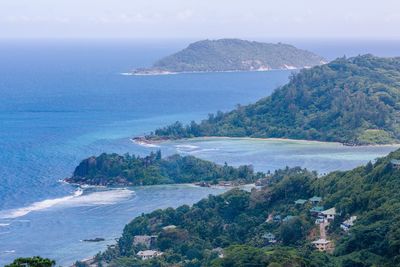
32,262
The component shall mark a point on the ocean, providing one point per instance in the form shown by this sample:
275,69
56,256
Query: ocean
64,100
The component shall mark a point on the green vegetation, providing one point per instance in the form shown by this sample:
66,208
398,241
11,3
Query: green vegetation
114,169
32,262
237,220
352,101
234,55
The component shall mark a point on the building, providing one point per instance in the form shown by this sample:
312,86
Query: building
315,200
145,240
277,218
269,218
322,244
395,163
329,214
219,251
316,211
320,220
148,254
169,227
300,201
347,224
269,238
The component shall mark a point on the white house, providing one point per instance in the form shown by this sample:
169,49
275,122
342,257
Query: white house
322,244
329,214
348,223
169,227
148,254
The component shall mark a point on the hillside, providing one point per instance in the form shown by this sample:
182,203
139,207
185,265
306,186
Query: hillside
233,55
114,169
239,224
350,100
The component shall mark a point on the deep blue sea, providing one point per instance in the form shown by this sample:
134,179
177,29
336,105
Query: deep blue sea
64,100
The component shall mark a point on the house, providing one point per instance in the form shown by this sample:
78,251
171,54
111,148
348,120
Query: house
329,214
269,237
219,251
395,163
348,223
315,200
320,219
225,183
315,211
300,201
148,254
269,218
169,227
322,244
145,240
277,218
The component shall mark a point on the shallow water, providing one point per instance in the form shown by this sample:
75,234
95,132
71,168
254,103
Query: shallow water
271,154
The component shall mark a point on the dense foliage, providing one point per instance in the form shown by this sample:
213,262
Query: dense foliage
235,55
353,101
32,262
236,221
114,169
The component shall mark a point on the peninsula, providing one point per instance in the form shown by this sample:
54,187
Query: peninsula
131,170
233,55
355,101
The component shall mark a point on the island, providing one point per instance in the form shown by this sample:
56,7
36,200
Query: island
233,55
346,218
354,101
131,170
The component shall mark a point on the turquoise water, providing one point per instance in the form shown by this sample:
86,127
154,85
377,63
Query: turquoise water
62,101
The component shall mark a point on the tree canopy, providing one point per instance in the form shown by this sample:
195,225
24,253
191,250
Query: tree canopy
114,169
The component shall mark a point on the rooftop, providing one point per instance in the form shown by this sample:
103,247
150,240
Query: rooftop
331,211
315,199
321,241
169,227
268,236
148,253
300,201
395,161
317,209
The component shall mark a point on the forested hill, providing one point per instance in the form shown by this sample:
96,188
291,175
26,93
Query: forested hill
234,224
114,169
234,55
350,100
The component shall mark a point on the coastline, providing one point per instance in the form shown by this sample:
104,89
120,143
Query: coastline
222,184
143,141
200,72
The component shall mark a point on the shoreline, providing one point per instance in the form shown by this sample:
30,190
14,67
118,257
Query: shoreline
200,72
82,186
143,141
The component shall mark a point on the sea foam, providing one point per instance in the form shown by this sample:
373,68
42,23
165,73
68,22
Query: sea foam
106,197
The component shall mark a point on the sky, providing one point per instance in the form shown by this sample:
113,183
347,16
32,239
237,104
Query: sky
150,19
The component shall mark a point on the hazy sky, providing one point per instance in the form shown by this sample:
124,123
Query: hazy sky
200,18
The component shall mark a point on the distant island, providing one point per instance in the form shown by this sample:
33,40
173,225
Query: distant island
233,55
355,101
131,170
